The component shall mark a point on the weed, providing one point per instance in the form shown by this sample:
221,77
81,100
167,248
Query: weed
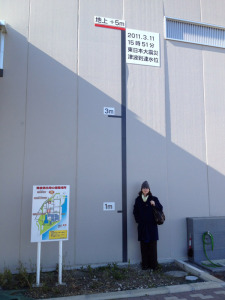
128,265
45,287
115,267
89,269
82,268
116,272
118,275
103,268
6,279
24,279
56,290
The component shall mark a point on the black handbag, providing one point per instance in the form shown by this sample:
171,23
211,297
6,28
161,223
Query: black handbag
158,215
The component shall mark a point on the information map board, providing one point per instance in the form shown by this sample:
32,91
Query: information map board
50,213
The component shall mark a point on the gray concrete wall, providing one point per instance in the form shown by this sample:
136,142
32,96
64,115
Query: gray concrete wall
60,71
39,120
12,133
99,233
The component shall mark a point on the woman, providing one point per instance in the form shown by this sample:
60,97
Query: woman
147,227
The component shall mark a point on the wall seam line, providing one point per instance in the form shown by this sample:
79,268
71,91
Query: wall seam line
77,122
205,121
25,128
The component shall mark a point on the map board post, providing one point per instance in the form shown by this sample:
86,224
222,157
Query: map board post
50,219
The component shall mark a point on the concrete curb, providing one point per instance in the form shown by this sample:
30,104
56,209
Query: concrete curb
197,272
211,283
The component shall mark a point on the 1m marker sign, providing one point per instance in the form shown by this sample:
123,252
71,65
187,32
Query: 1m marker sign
109,23
108,206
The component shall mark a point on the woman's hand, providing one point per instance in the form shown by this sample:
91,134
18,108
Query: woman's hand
152,203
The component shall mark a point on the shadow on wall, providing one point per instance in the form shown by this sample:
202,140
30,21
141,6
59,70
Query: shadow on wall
59,134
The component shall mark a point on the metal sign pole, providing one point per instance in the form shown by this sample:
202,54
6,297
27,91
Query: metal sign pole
2,41
38,264
124,142
60,262
60,265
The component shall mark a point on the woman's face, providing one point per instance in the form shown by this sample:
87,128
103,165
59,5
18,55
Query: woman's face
145,191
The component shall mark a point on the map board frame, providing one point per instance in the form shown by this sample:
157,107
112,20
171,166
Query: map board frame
50,213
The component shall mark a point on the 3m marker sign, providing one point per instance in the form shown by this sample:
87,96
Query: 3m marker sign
109,23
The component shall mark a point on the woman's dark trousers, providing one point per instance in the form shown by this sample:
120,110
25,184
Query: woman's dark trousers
149,255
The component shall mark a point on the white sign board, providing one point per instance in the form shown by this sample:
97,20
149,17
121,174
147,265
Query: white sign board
108,206
109,111
109,23
50,213
142,47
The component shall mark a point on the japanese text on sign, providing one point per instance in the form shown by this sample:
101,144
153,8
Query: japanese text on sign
142,47
109,23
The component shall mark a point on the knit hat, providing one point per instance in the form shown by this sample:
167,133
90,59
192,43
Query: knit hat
145,185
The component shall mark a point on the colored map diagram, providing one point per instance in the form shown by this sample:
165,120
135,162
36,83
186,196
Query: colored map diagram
50,216
50,213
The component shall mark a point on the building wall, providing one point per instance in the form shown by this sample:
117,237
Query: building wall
60,71
12,132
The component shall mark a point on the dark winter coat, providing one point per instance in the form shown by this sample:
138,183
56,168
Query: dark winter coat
143,213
